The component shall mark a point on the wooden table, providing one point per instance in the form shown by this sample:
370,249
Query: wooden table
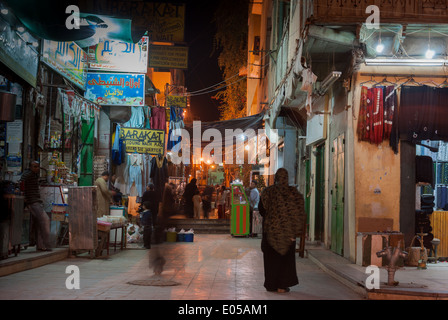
123,228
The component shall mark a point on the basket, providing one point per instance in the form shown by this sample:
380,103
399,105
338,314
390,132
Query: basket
171,236
415,254
188,237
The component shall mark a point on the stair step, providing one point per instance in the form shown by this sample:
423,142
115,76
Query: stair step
201,226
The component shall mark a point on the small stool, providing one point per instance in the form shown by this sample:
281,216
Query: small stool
435,242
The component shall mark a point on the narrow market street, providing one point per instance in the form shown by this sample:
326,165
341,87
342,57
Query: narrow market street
213,267
225,151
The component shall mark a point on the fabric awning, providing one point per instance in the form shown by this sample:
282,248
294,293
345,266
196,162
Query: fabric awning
254,122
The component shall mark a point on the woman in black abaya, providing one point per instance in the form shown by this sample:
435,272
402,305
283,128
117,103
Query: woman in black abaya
282,208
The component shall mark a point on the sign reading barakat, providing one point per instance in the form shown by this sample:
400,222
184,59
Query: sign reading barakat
143,140
116,89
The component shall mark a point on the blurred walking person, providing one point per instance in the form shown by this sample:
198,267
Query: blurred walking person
30,185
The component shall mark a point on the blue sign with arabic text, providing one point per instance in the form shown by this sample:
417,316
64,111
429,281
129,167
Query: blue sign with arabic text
116,89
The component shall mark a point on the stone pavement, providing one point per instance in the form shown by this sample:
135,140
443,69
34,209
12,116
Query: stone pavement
213,267
413,283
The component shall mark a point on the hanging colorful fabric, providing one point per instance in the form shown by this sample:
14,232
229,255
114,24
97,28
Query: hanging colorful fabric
376,136
389,109
362,118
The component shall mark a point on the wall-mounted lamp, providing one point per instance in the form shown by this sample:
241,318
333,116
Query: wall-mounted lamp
328,81
406,62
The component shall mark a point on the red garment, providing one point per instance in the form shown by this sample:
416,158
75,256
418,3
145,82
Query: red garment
377,116
390,99
370,106
158,118
362,117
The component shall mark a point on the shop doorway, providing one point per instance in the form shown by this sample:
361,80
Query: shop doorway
337,195
320,193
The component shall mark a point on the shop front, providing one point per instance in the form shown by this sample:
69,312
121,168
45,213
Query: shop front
18,76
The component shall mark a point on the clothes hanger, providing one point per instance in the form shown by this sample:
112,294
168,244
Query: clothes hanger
371,80
444,83
385,81
411,80
436,85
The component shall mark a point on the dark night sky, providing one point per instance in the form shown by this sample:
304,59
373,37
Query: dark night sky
203,70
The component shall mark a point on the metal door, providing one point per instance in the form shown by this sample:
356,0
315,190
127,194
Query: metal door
320,192
337,199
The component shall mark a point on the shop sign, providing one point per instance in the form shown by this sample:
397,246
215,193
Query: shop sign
116,89
164,21
114,55
143,140
170,57
17,55
68,59
176,101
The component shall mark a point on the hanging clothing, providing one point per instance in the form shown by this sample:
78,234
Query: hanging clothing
135,173
147,113
176,123
422,113
390,102
376,114
158,118
133,206
159,174
362,129
117,148
146,175
137,118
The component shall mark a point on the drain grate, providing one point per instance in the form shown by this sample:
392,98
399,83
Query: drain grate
154,282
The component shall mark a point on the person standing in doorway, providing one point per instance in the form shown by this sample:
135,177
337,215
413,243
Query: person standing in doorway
222,203
104,195
282,207
197,205
30,185
207,201
151,196
190,190
254,198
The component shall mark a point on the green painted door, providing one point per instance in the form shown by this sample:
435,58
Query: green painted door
307,189
337,196
320,193
86,161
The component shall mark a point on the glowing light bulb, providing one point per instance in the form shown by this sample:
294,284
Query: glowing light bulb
430,54
380,47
